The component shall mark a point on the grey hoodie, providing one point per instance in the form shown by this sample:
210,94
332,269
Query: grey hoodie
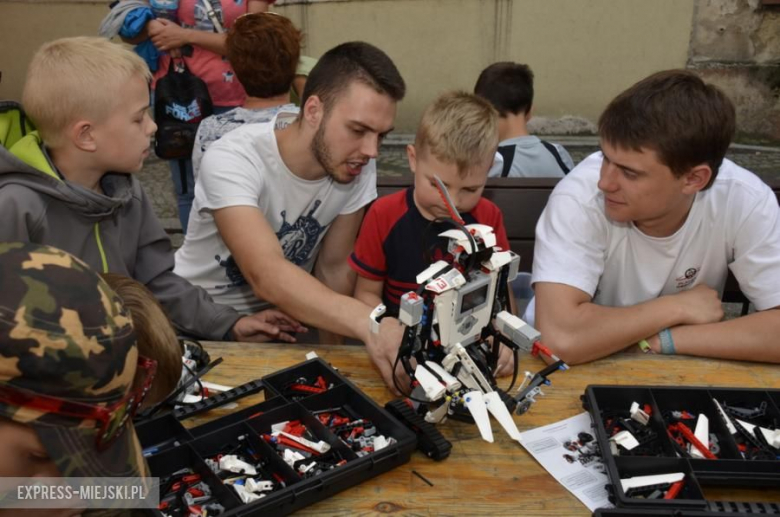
117,232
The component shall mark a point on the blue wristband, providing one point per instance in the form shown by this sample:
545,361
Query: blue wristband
667,343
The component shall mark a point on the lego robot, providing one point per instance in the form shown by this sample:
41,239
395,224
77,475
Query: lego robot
455,324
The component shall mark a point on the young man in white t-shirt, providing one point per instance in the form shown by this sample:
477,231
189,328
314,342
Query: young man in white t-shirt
636,242
271,198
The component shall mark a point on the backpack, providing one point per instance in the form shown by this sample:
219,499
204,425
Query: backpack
181,101
507,152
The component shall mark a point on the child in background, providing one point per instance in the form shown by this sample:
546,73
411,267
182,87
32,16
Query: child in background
456,141
264,50
510,89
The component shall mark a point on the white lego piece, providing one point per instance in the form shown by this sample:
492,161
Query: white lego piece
433,388
452,279
475,403
278,427
311,355
245,495
639,414
625,439
258,486
702,433
373,321
657,479
320,446
212,387
431,271
729,425
498,260
470,370
450,382
290,457
303,469
380,442
231,463
481,231
499,411
772,437
439,414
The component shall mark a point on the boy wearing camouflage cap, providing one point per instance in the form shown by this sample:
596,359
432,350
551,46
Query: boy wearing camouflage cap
70,375
70,183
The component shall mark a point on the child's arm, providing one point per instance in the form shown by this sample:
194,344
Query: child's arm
167,35
369,291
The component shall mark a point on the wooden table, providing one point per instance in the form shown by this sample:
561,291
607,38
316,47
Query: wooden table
481,478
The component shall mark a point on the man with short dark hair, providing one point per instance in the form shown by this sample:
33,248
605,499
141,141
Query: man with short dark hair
271,198
636,242
510,89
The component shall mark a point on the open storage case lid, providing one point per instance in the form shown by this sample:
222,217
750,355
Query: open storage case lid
663,447
313,396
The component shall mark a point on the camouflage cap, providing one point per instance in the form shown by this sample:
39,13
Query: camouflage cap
64,333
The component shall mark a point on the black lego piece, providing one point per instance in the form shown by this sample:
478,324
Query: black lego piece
220,399
429,439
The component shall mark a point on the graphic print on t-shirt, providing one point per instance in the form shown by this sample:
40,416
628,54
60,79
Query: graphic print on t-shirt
299,239
232,272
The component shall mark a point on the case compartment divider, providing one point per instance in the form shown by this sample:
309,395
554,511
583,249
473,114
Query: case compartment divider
185,456
239,416
310,370
607,399
691,495
698,401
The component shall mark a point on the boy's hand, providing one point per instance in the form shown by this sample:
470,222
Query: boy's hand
267,325
167,35
506,362
382,348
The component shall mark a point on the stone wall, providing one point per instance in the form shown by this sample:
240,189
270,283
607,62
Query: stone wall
736,45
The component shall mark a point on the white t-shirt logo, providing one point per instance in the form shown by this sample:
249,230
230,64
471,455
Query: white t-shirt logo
688,278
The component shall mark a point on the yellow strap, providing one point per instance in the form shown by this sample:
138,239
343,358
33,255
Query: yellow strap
103,258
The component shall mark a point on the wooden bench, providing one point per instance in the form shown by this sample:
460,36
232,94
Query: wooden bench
522,201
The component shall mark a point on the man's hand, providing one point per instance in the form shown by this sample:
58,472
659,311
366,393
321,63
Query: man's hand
699,305
383,349
267,325
167,35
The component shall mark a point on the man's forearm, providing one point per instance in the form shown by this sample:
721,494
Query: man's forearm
340,279
305,298
593,331
749,338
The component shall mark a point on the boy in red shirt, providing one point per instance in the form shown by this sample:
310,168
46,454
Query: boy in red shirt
457,141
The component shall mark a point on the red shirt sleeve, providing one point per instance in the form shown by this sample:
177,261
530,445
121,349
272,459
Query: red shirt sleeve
368,259
487,212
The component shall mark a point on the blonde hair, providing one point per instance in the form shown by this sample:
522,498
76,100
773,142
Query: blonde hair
71,78
156,338
460,128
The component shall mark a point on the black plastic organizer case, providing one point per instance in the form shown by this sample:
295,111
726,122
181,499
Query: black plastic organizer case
170,447
734,466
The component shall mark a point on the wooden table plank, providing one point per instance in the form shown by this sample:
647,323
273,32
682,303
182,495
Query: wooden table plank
479,477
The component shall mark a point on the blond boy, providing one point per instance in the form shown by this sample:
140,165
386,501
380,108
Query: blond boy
70,184
456,141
